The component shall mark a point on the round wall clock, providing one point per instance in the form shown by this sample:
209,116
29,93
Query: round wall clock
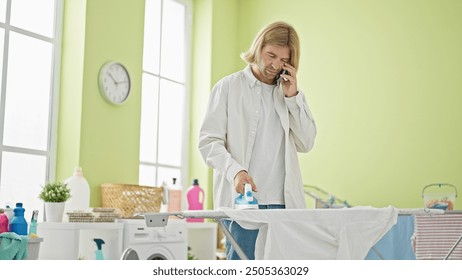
114,82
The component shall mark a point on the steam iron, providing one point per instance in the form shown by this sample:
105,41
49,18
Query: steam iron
246,200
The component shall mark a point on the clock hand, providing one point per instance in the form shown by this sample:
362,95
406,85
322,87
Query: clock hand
116,83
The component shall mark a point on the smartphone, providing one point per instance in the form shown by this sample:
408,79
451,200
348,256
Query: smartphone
283,72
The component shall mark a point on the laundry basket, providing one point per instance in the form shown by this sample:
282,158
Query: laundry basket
439,196
131,199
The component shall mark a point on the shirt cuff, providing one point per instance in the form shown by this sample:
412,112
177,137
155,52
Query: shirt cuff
294,102
232,172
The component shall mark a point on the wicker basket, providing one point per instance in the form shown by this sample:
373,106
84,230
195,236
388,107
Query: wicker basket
131,199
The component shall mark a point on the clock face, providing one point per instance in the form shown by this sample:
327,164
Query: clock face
114,82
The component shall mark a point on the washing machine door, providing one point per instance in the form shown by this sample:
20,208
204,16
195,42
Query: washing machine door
158,257
130,254
157,252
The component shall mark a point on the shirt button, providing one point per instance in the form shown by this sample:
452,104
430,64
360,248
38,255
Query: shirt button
256,111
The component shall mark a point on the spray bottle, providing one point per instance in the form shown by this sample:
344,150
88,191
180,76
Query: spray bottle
175,194
33,223
99,244
246,200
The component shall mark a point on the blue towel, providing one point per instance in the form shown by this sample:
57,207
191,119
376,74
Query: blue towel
13,246
395,244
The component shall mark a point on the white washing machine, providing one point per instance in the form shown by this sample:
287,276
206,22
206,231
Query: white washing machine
156,243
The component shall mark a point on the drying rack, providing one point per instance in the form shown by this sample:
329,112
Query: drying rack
161,220
324,199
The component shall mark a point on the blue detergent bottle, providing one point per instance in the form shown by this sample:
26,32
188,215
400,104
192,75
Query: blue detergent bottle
18,224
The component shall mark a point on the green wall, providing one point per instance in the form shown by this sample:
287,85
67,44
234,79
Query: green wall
382,79
102,138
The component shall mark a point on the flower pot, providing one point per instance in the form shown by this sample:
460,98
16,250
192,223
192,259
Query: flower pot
54,211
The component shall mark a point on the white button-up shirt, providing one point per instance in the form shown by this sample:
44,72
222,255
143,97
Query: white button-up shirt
227,135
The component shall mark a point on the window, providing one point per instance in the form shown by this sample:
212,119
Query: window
29,55
164,125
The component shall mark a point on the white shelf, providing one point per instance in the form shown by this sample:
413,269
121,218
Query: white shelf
75,240
70,226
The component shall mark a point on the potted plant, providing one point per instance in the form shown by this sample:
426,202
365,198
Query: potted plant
55,195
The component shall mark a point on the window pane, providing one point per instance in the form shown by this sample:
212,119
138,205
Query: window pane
21,181
2,38
151,36
28,92
149,110
167,175
2,10
147,176
173,41
171,122
33,15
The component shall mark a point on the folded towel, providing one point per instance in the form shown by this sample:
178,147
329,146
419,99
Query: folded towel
13,246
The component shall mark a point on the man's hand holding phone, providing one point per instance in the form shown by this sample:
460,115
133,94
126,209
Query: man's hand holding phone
283,72
288,80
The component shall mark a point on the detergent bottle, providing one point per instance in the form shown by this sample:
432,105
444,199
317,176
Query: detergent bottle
3,221
195,196
9,213
175,193
18,224
80,192
99,252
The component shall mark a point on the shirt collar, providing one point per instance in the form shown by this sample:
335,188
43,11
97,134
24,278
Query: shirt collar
251,79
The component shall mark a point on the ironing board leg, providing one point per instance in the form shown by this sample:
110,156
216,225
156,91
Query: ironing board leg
231,239
378,253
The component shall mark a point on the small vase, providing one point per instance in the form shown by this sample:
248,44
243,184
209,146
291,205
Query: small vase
54,211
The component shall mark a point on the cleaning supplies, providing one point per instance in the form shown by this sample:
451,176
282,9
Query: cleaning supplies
99,252
33,223
9,212
174,197
80,192
195,196
3,221
18,224
246,200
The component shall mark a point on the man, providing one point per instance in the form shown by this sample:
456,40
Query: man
256,121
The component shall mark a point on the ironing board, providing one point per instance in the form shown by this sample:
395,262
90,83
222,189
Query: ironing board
352,230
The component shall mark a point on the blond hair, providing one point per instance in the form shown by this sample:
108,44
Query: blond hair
277,33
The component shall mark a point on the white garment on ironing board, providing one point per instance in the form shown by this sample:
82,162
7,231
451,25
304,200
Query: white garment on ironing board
316,234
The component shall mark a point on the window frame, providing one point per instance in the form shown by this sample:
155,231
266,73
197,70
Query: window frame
56,41
184,165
